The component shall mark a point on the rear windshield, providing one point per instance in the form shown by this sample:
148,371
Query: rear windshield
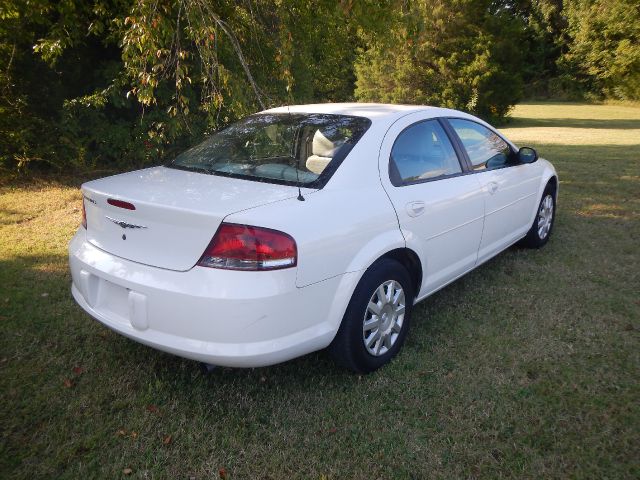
283,148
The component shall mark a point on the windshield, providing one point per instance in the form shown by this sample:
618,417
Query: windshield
277,148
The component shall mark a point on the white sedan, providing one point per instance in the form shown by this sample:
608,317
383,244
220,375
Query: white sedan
305,227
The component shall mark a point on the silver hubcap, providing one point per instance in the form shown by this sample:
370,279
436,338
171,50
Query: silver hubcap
384,318
545,217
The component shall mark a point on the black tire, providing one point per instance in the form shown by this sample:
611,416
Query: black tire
348,347
534,239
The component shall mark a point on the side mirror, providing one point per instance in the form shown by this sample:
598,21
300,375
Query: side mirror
527,155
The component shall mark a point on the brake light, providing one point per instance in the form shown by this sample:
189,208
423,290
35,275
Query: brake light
84,215
121,204
244,247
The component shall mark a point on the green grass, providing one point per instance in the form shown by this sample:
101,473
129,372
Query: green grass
528,367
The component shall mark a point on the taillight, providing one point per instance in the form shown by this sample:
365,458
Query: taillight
121,204
243,247
84,215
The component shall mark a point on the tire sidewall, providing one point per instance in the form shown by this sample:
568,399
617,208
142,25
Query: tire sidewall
542,241
532,239
376,275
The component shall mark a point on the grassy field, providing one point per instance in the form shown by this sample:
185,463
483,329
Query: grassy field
529,367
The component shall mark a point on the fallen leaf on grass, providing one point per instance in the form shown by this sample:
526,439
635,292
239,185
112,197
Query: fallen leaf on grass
67,383
134,435
153,409
45,294
127,471
121,433
223,473
167,440
78,370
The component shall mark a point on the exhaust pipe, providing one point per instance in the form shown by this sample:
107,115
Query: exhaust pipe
207,368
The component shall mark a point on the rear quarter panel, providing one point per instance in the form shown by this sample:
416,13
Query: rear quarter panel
343,227
336,231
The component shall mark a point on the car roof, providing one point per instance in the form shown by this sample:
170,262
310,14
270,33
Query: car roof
373,111
381,114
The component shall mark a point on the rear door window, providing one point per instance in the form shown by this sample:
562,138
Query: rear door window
422,152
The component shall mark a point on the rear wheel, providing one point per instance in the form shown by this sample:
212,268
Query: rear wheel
540,231
376,322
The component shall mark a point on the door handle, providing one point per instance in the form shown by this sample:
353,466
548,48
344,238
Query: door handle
415,209
492,187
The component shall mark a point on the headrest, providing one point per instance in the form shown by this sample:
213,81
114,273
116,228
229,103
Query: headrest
317,164
322,146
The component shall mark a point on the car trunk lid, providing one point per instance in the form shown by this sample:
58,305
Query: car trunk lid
175,215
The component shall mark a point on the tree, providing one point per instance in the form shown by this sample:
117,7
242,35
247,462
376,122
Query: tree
56,55
459,54
604,46
132,81
124,83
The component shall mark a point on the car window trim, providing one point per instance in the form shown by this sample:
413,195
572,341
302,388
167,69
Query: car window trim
394,174
458,141
457,144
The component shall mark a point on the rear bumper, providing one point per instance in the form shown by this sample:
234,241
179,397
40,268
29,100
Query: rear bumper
223,317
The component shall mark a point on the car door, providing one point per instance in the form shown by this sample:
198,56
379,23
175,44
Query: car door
510,187
440,207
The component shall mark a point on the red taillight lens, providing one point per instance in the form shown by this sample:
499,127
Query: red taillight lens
84,215
121,204
243,247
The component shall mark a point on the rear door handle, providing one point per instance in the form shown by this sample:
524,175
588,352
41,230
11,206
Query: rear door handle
492,187
415,209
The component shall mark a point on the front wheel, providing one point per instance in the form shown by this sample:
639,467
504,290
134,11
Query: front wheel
376,322
540,231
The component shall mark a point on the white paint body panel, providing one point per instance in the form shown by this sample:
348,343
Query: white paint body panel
147,287
231,318
507,205
178,211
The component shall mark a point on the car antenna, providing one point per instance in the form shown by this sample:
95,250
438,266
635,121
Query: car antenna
300,197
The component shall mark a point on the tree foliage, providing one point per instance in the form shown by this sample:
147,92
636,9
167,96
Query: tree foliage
124,83
604,49
460,54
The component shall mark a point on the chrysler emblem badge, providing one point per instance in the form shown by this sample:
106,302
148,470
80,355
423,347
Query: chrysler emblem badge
124,224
